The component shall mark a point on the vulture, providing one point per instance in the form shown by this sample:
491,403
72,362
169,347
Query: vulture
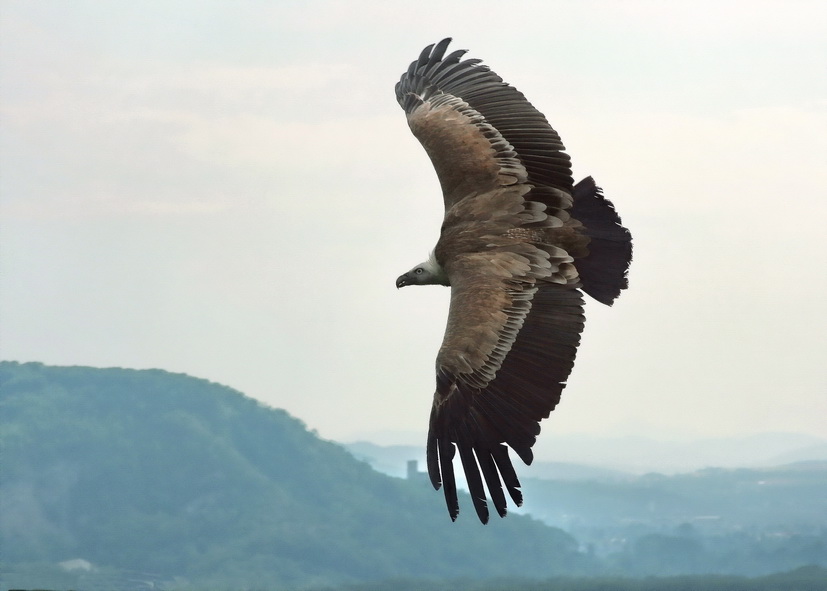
519,244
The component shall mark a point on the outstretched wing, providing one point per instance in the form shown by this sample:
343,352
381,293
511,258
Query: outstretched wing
479,132
508,349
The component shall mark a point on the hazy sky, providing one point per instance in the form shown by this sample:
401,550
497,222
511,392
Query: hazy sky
229,189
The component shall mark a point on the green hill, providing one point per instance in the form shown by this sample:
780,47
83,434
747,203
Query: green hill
160,473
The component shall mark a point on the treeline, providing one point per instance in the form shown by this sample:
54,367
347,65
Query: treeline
735,553
808,578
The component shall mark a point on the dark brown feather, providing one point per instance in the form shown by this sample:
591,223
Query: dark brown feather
604,268
508,409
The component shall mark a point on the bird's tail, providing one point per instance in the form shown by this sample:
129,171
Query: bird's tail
603,271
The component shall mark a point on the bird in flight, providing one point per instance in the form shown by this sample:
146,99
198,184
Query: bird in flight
519,243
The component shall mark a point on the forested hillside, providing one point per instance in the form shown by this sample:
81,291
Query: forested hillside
125,479
716,520
173,478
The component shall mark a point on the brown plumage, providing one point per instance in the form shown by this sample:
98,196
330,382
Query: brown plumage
518,243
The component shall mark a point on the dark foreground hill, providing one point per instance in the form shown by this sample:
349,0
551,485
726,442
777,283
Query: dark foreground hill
179,479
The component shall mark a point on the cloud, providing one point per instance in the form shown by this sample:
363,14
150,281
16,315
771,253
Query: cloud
232,195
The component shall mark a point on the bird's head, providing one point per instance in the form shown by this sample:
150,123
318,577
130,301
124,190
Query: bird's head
428,273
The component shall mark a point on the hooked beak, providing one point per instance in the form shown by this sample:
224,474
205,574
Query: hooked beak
402,281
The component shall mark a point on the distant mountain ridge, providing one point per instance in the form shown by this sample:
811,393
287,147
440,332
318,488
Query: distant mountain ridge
639,454
590,501
587,456
392,460
153,472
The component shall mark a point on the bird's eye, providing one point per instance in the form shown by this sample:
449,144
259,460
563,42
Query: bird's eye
418,271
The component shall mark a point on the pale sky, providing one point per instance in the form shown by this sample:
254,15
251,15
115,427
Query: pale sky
229,190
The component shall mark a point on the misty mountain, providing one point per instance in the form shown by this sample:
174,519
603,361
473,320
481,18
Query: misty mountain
600,506
577,456
393,459
124,479
816,452
152,472
789,498
641,455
